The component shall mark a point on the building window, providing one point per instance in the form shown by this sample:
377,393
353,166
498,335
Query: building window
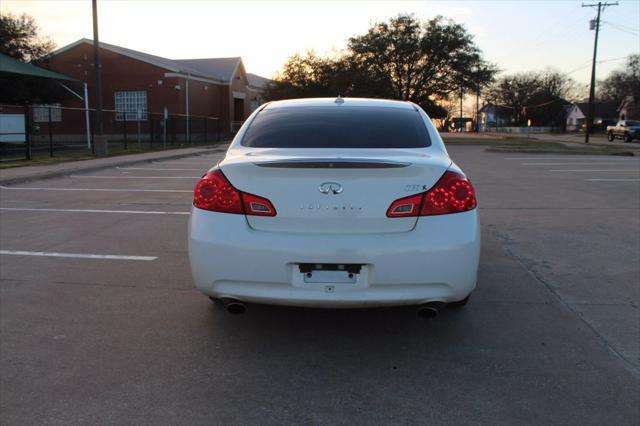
41,113
129,104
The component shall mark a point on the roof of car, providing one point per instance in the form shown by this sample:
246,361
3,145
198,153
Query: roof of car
338,101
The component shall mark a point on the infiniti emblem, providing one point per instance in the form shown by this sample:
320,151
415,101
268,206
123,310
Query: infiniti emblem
330,187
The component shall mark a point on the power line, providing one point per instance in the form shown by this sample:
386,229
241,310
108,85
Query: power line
624,31
586,64
623,27
549,31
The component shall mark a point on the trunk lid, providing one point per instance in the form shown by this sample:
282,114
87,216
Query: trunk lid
334,191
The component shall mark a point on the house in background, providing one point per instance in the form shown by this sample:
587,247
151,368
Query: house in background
630,108
135,83
605,113
493,116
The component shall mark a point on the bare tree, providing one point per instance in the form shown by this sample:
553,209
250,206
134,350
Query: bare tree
536,96
622,83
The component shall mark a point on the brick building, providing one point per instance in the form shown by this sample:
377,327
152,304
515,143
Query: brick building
134,82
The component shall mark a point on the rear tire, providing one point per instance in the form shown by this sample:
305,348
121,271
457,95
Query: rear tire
610,136
460,303
627,137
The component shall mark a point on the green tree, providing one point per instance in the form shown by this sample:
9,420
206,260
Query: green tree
19,38
402,58
420,61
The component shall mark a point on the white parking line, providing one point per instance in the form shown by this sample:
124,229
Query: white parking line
77,255
613,180
599,170
94,189
185,163
160,169
132,177
25,209
586,157
571,164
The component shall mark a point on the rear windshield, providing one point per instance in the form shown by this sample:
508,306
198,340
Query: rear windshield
337,127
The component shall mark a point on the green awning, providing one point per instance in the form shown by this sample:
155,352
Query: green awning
8,65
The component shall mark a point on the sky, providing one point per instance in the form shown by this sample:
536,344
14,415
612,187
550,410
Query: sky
516,35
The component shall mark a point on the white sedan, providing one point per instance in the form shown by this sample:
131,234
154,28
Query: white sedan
336,203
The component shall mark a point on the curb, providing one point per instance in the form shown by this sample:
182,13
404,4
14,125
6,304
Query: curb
90,168
548,151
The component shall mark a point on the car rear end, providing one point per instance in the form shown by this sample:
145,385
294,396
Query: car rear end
335,203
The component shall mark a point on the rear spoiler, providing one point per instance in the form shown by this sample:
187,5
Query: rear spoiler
332,163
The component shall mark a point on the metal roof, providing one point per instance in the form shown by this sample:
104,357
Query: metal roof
217,69
257,81
221,68
9,65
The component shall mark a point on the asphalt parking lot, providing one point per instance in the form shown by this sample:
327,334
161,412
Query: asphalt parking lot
100,323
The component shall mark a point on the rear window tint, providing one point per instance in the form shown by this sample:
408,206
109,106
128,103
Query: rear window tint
337,127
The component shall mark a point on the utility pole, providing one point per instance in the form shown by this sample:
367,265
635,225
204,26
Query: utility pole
461,96
98,71
592,89
478,107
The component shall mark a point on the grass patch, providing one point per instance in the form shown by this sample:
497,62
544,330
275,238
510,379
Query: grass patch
116,149
532,146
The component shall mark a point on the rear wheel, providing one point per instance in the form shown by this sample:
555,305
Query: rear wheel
627,137
460,303
610,136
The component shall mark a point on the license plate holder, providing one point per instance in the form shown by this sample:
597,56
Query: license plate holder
333,273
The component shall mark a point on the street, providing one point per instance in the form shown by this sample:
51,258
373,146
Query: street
101,324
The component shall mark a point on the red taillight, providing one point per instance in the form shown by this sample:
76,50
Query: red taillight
406,207
214,192
453,193
257,206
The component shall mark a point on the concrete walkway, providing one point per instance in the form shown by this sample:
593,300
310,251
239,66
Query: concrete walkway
29,173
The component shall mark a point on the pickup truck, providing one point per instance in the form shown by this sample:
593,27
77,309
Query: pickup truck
627,130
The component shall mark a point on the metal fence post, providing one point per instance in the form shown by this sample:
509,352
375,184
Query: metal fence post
150,131
164,128
138,120
187,136
205,129
92,127
27,140
124,129
175,130
50,135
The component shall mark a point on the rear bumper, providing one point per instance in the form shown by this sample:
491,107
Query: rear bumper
436,261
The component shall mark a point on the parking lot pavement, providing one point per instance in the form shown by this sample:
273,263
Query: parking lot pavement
119,335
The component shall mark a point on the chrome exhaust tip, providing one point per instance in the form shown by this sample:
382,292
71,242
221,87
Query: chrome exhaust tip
428,311
234,307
